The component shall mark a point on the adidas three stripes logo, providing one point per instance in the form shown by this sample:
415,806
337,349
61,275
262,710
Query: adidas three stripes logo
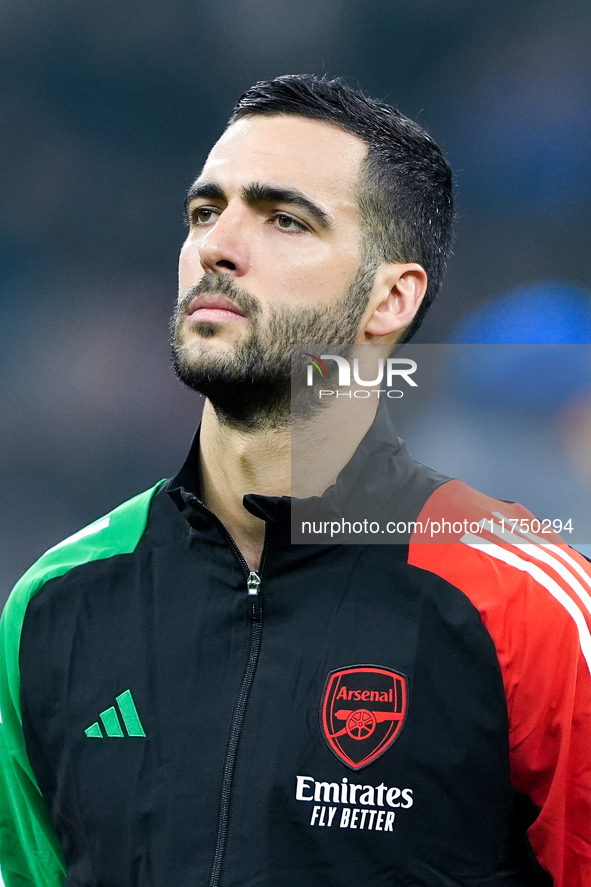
111,723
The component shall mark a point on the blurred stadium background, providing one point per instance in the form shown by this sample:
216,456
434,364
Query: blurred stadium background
107,111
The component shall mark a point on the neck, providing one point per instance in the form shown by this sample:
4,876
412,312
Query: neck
234,463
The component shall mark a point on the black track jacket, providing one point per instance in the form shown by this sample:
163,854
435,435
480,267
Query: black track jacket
349,716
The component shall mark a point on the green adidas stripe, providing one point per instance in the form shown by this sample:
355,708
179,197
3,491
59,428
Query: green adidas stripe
129,714
94,731
111,722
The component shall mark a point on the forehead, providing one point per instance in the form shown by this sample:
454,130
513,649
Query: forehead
318,158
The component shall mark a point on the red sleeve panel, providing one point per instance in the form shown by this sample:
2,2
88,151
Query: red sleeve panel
534,596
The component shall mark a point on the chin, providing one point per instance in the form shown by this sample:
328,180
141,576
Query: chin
206,330
200,330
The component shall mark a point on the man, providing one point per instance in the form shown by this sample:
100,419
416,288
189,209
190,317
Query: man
188,697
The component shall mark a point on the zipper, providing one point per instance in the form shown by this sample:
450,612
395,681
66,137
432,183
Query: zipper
255,617
256,628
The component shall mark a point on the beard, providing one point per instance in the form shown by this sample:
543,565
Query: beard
250,387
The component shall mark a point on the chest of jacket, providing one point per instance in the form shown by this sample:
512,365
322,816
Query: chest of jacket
355,722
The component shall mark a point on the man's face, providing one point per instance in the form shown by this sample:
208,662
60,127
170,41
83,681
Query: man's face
273,257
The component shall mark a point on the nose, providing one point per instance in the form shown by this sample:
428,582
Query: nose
223,247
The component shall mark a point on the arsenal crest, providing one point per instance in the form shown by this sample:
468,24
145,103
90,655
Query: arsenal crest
362,712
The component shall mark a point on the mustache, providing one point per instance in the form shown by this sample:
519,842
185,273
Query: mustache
222,284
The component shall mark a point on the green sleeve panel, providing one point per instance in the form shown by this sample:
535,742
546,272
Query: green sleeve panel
30,855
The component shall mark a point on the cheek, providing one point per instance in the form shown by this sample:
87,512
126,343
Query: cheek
190,268
319,267
327,279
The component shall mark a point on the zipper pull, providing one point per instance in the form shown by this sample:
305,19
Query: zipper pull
253,584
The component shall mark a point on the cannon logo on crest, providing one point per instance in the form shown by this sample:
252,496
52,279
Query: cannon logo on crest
362,712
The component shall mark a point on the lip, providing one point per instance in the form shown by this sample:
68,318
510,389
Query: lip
213,307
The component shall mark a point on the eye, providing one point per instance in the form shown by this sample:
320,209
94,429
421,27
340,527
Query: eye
203,215
288,223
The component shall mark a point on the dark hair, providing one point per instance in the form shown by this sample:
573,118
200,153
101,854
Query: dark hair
405,199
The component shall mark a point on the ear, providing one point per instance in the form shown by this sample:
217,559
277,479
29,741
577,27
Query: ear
398,290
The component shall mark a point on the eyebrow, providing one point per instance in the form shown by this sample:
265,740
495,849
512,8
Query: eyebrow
204,189
258,193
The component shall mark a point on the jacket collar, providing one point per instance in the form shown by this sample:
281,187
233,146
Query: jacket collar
380,478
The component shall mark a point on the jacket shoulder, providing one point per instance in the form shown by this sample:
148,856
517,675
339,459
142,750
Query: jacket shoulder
514,568
117,532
